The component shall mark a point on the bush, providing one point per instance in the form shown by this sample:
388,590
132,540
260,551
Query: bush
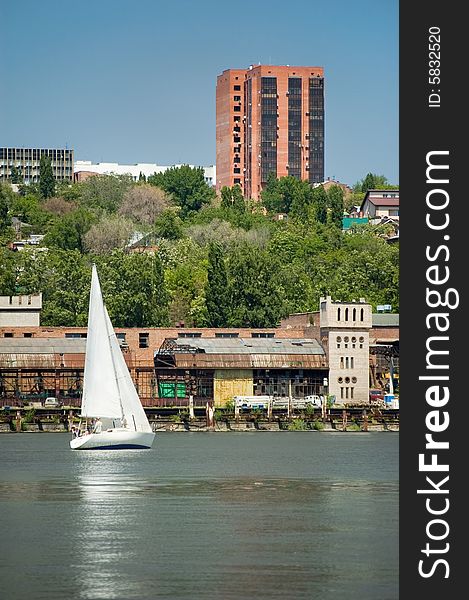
297,425
318,425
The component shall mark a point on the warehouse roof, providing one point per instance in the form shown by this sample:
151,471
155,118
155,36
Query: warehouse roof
245,346
42,345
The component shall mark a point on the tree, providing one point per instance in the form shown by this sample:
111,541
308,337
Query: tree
144,203
168,225
7,197
320,201
58,206
134,289
216,291
372,182
233,199
46,177
335,196
256,297
104,192
16,175
68,232
109,233
187,187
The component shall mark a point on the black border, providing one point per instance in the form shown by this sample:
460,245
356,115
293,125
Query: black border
424,129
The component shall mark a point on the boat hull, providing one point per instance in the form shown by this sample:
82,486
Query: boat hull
113,439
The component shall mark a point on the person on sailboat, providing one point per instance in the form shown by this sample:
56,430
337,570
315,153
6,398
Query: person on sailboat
98,426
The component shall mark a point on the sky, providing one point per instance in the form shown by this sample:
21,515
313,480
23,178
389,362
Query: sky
134,81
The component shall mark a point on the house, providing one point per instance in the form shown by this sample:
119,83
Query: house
380,203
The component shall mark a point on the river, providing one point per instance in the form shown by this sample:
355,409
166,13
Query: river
262,515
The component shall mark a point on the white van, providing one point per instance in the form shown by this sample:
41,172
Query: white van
51,403
252,402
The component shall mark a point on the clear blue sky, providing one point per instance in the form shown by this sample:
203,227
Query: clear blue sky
134,81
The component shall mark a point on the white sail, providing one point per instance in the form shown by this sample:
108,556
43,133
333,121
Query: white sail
108,390
101,397
132,408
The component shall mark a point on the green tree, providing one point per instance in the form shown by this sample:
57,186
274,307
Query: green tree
46,177
7,272
168,225
134,289
321,202
104,192
16,175
232,199
335,196
372,181
216,292
187,187
7,197
68,232
256,299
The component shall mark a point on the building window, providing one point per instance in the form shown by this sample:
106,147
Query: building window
237,170
262,334
338,314
237,98
339,339
143,340
236,118
237,108
354,314
346,393
121,336
361,314
75,335
189,334
237,88
351,393
346,314
351,362
346,362
341,362
8,334
237,180
227,335
28,335
341,393
354,380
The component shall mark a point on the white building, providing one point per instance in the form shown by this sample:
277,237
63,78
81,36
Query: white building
86,167
20,311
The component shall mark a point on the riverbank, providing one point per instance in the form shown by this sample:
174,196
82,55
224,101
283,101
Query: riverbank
330,424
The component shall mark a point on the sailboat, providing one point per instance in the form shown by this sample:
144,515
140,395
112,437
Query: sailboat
109,401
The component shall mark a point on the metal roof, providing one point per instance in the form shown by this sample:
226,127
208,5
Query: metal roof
385,320
287,346
42,345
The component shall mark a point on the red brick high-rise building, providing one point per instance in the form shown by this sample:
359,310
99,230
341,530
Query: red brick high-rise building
270,119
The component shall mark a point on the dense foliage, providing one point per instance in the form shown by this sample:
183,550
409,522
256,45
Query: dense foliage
169,251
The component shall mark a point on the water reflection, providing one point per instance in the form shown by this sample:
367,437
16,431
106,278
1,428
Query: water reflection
203,517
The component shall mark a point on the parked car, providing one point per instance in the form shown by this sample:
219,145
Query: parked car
376,395
52,403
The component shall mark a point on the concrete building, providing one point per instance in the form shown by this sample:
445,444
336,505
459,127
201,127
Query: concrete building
27,160
19,311
269,120
345,330
86,168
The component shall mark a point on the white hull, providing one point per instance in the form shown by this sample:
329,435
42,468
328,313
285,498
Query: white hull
113,439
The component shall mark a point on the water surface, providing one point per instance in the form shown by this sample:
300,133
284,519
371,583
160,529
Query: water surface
265,515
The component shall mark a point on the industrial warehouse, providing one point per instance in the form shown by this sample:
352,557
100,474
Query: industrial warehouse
340,351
